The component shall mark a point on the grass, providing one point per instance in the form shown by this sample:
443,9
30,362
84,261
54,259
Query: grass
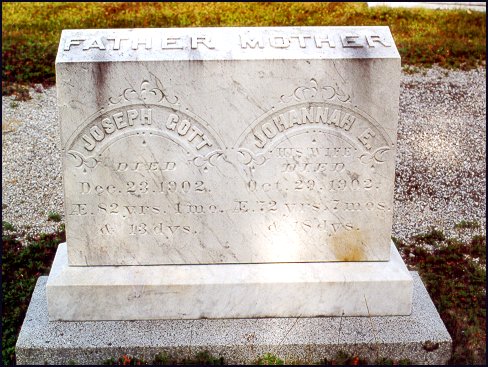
453,272
31,30
21,267
467,224
268,359
6,226
53,216
200,358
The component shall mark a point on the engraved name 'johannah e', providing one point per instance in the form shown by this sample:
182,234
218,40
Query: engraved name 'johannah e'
115,43
311,115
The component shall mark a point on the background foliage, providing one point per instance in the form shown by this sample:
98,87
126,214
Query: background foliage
31,31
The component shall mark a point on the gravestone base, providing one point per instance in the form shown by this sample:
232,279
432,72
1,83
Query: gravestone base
77,293
420,337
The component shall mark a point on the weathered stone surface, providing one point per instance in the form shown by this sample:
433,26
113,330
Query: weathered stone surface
420,337
228,290
228,145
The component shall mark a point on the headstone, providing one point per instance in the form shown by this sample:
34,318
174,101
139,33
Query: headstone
228,172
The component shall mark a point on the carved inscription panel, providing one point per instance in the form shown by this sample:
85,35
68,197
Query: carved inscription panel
154,174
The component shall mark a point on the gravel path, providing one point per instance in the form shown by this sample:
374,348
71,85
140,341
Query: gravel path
440,170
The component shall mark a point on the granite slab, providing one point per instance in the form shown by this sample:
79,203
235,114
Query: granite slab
420,337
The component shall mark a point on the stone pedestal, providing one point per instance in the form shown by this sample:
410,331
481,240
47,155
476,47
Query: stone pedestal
228,173
228,290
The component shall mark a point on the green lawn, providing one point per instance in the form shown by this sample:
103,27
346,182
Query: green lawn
31,31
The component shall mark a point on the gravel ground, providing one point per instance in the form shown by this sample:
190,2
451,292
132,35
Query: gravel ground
440,167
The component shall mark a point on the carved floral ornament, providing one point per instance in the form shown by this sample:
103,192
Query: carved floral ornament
376,157
145,94
83,162
243,155
314,91
154,95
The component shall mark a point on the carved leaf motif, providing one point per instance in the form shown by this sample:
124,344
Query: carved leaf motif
153,95
130,94
115,100
328,92
249,158
208,160
304,93
146,94
81,160
375,157
378,154
342,96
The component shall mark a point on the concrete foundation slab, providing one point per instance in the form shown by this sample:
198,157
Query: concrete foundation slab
420,337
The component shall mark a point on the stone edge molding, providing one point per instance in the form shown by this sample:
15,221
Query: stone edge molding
225,43
420,337
228,290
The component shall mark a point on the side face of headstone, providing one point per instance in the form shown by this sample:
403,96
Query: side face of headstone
228,145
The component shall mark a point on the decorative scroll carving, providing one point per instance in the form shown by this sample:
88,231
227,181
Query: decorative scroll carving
375,157
145,94
208,160
314,91
82,161
250,159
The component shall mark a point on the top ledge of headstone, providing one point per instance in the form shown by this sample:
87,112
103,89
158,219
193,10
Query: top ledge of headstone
226,43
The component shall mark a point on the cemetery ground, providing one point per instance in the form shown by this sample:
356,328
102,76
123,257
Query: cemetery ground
439,225
453,271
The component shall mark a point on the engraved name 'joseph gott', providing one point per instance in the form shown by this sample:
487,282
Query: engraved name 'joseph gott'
125,119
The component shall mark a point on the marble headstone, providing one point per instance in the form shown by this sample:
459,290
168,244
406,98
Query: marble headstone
228,146
242,145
